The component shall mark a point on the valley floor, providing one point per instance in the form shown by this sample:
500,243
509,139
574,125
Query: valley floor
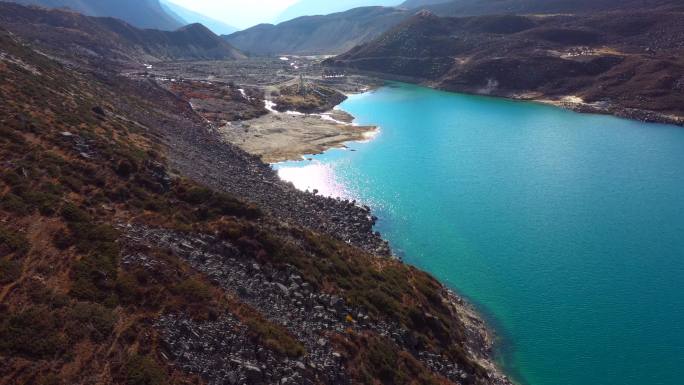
278,137
238,98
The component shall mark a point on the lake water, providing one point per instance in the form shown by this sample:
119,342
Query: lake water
565,229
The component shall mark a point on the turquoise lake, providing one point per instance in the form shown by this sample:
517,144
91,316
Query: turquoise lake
566,230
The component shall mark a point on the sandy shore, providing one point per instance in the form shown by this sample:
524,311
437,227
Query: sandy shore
278,137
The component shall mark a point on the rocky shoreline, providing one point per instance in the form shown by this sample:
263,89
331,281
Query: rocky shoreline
199,152
220,351
607,109
604,108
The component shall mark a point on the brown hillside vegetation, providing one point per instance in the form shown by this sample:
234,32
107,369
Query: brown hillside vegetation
116,267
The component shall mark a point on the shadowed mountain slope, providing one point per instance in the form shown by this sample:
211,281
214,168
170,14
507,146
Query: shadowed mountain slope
318,7
338,32
140,13
329,34
615,61
493,7
187,16
411,4
96,39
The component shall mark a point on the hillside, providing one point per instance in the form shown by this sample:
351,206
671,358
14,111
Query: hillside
339,32
94,39
459,8
625,62
140,13
329,34
411,4
138,248
317,7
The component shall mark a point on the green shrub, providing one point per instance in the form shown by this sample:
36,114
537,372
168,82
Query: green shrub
11,178
9,270
48,379
227,205
275,337
45,201
143,370
74,184
72,214
194,291
12,242
92,320
94,278
32,333
196,195
129,289
62,239
95,275
7,134
14,204
125,168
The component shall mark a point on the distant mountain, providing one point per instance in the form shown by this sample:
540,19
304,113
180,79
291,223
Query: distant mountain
140,13
318,7
94,39
187,16
411,4
491,7
329,34
338,32
619,60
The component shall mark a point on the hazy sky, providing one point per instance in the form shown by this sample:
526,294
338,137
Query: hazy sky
238,13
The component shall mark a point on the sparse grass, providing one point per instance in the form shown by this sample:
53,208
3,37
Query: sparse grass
375,360
12,242
33,333
14,204
91,320
275,337
143,370
193,290
9,270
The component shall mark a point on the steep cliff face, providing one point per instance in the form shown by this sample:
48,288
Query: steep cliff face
109,39
621,59
140,13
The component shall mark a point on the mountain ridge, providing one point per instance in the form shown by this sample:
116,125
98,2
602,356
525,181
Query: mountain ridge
140,13
187,16
326,34
111,39
318,8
